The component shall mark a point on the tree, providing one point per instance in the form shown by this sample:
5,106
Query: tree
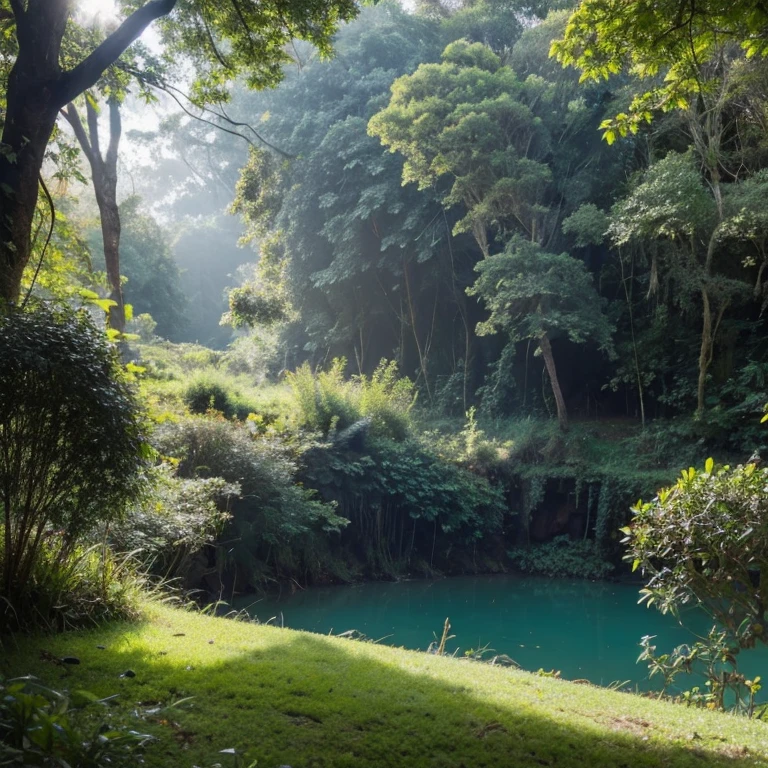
684,223
104,178
241,36
672,43
153,283
465,120
532,294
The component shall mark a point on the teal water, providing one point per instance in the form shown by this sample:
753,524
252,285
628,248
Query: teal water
585,630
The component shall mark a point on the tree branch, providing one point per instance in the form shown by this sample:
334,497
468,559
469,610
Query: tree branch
93,126
73,118
115,131
87,72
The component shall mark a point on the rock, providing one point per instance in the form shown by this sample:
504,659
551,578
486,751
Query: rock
128,673
70,660
102,647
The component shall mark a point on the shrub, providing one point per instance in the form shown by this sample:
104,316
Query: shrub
398,497
71,443
274,519
36,728
704,543
207,393
174,524
327,402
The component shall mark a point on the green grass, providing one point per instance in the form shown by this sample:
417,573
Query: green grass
307,700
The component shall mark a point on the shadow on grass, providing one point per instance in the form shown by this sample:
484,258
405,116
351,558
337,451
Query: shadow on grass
307,702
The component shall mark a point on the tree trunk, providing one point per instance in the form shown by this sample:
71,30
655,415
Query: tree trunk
705,352
30,115
37,90
549,362
104,178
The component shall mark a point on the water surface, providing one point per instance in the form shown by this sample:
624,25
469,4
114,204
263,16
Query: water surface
586,630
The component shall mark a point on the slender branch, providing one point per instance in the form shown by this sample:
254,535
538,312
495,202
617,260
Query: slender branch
216,52
93,126
73,118
115,132
45,245
87,72
169,89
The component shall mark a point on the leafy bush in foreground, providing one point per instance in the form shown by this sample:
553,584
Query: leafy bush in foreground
36,729
704,543
71,445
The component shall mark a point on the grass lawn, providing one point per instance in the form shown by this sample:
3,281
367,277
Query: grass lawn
305,700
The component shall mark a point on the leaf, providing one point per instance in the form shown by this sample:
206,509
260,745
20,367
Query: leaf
709,465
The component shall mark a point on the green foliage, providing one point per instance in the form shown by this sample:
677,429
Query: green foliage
712,657
144,327
704,543
71,587
467,120
274,521
209,393
328,402
176,525
72,450
562,558
153,278
398,496
669,43
530,293
37,727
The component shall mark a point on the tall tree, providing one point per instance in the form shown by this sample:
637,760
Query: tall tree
532,294
465,120
236,36
104,178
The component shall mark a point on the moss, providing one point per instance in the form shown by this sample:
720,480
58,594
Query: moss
308,700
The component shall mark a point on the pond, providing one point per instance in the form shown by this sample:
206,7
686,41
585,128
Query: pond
586,630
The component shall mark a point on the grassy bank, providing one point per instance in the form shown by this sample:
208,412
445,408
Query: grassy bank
299,699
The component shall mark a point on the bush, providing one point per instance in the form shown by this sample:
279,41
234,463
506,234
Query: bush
174,525
398,497
704,543
71,440
327,402
206,393
36,728
275,521
562,558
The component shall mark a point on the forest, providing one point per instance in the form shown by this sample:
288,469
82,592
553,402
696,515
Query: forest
303,293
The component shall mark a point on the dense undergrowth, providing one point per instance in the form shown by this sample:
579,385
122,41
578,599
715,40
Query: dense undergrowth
337,478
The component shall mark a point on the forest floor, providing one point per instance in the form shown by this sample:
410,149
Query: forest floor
306,701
